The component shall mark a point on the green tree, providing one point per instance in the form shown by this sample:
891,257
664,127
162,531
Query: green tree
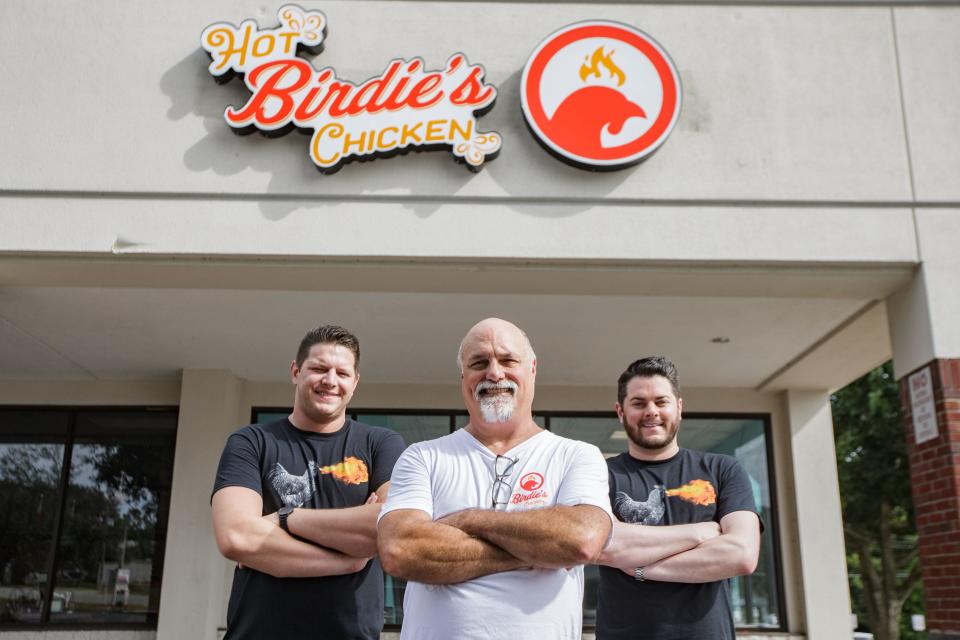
875,492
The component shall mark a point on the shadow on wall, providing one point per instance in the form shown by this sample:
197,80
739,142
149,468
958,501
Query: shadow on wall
422,182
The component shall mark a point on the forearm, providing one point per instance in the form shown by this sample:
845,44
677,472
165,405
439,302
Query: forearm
267,548
717,559
553,537
636,545
435,553
352,531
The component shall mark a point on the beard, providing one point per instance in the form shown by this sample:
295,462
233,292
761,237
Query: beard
498,407
652,443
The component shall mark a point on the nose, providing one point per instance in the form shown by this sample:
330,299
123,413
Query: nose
329,378
495,372
651,410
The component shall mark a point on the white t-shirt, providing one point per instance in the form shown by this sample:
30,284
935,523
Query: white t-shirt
456,472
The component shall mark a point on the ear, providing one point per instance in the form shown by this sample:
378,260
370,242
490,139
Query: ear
294,372
619,410
679,408
533,367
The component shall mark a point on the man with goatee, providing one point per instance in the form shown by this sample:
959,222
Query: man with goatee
492,524
686,521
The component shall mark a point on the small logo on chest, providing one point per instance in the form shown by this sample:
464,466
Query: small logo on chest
531,483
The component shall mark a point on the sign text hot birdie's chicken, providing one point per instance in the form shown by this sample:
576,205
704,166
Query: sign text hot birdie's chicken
404,108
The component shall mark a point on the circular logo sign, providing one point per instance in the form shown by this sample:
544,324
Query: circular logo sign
600,95
531,481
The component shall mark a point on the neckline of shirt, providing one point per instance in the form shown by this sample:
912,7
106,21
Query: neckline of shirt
316,435
654,463
472,440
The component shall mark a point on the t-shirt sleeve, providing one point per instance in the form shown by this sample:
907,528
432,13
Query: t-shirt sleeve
387,448
409,484
586,480
240,463
736,492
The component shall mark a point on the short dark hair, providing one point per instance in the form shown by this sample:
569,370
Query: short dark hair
647,368
329,334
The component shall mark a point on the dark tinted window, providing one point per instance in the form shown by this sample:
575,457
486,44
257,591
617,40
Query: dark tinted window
100,533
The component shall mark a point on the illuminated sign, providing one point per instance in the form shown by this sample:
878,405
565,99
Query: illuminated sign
600,95
405,108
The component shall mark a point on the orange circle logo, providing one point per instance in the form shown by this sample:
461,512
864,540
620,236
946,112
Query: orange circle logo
531,481
600,95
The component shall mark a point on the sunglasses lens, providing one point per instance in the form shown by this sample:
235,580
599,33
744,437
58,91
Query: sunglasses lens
504,465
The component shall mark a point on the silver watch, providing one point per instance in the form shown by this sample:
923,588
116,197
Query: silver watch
638,574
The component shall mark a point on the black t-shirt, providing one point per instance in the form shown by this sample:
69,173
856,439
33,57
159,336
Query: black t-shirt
689,487
315,471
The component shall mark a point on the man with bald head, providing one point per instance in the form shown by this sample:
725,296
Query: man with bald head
492,524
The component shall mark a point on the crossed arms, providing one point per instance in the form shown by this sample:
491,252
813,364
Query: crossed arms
340,540
701,552
477,542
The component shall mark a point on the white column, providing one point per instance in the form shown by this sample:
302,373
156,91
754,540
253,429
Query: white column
823,562
923,314
191,601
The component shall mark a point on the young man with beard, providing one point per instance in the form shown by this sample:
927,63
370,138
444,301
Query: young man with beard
491,524
295,505
686,521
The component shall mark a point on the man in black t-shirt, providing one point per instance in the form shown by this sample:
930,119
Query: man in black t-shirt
295,504
686,522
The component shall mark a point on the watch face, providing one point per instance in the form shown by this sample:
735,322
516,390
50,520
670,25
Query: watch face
284,511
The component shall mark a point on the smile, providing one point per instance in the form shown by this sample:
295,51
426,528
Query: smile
488,389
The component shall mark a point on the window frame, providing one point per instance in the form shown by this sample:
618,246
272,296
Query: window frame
53,558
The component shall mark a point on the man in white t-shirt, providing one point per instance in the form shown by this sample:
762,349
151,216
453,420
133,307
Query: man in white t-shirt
491,525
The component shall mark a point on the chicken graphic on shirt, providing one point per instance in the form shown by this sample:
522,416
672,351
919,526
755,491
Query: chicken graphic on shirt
639,512
294,490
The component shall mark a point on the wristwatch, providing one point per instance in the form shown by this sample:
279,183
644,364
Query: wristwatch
638,574
283,514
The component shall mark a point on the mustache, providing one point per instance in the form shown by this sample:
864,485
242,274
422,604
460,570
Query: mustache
486,385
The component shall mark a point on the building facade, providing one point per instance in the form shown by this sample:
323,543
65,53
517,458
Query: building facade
798,227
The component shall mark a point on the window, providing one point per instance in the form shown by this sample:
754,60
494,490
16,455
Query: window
84,496
756,598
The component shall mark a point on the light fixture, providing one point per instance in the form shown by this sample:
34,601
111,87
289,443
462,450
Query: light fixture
720,340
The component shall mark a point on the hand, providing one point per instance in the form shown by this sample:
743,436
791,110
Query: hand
373,498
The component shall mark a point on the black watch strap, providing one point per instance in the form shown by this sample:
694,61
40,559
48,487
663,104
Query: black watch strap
283,514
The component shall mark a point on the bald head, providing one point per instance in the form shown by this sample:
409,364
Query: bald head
490,327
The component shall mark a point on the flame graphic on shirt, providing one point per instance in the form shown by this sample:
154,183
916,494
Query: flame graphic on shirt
351,470
699,492
600,58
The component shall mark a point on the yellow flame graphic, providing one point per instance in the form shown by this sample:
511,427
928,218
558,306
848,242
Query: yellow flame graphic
593,68
351,470
696,491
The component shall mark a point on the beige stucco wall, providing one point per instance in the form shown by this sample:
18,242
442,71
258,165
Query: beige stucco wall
783,106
